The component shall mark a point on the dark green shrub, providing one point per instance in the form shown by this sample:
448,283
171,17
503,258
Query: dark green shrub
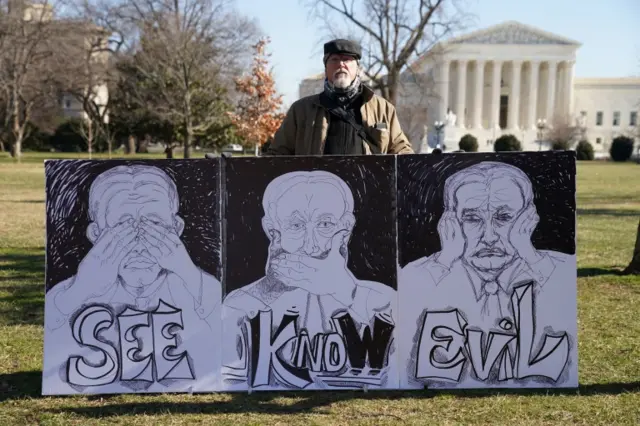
621,148
68,137
36,139
584,151
559,145
468,143
507,143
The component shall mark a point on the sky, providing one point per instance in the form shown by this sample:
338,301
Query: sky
609,32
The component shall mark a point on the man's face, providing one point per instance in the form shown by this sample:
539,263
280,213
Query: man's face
139,268
308,216
486,214
341,70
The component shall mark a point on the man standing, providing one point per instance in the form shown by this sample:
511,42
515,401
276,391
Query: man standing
347,118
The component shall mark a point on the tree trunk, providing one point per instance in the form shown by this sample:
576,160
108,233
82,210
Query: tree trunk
392,87
634,265
90,137
188,137
188,121
16,150
131,145
169,152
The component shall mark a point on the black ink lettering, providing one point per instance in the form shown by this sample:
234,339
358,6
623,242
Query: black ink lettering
552,358
335,353
168,364
136,345
85,330
307,355
440,354
358,348
484,357
446,361
265,347
147,340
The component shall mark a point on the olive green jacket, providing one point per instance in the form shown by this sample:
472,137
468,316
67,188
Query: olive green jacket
304,129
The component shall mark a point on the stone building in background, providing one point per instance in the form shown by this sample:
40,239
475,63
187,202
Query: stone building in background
510,78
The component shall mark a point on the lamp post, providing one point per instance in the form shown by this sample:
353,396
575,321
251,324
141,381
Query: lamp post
541,125
439,125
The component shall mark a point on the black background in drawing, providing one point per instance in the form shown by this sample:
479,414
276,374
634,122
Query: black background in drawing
372,247
67,190
421,181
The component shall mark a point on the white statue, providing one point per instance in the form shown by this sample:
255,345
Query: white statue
450,118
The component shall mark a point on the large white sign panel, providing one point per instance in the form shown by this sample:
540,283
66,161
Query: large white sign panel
133,302
311,273
371,272
487,281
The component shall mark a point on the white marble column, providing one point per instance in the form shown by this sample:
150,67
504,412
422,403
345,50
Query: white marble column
569,88
462,93
551,91
514,96
477,99
533,95
444,89
495,95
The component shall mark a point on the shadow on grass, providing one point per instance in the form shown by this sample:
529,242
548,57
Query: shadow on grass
597,272
23,201
22,289
608,212
27,262
27,384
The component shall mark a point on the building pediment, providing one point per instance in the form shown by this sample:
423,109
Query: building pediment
513,32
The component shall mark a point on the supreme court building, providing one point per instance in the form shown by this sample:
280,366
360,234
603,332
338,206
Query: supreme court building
505,79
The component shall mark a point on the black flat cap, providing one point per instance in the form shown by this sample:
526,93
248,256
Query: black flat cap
343,47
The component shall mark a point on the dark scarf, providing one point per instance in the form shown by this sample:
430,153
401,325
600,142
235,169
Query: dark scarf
343,97
342,138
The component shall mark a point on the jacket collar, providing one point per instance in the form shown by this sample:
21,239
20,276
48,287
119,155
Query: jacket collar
367,95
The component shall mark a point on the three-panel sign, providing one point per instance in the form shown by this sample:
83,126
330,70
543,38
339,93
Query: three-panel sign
374,272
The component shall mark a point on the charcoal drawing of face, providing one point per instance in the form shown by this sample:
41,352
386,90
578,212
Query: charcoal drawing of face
303,211
487,200
133,194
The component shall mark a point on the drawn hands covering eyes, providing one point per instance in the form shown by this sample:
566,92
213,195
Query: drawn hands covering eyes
98,270
155,243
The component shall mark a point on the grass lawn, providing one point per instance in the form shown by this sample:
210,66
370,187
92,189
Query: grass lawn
609,336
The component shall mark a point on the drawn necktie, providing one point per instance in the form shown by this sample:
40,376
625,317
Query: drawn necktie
491,306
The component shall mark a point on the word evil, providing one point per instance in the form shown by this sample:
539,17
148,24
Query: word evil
329,353
146,340
445,336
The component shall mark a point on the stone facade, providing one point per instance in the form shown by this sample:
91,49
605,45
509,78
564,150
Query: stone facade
506,79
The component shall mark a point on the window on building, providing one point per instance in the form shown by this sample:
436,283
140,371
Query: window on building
599,116
598,140
616,118
633,118
67,103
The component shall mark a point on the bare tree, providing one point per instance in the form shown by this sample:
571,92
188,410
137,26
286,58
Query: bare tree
185,58
562,132
86,65
27,32
393,33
